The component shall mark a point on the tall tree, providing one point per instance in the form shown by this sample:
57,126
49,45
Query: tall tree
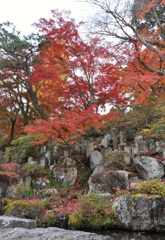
139,29
76,77
17,54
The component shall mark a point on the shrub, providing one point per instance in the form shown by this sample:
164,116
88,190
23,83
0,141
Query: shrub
115,156
115,161
154,187
49,218
9,172
21,149
20,190
33,170
95,212
10,167
9,176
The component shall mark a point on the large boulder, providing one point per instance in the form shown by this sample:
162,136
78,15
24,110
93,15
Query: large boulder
65,176
49,233
148,168
24,209
141,213
15,222
95,159
107,181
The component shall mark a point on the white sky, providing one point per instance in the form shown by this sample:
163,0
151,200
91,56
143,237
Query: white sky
23,13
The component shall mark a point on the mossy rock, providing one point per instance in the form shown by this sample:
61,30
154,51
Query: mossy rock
23,208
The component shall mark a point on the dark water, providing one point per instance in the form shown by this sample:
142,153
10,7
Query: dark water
129,235
123,235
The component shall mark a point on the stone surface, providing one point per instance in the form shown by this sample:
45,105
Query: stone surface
30,159
104,142
95,159
106,151
66,176
127,156
47,192
40,183
12,222
49,234
23,210
149,168
138,141
44,162
11,191
107,181
89,147
140,213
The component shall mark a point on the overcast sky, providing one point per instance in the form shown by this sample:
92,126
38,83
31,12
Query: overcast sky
25,12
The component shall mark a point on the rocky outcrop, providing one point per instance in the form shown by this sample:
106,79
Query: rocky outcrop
49,233
107,181
148,168
12,222
140,213
65,176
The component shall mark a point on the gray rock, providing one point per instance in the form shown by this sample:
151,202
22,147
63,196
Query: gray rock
95,159
140,213
44,162
43,149
106,151
107,181
66,176
89,148
30,159
47,192
149,168
11,191
49,234
40,183
138,141
13,222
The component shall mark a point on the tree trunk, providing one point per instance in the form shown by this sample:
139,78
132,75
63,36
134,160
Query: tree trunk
35,103
12,130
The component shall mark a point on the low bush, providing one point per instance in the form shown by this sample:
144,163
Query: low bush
94,212
21,149
153,187
33,170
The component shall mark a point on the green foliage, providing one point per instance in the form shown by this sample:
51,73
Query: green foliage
155,127
21,203
50,219
138,196
153,187
115,161
33,170
21,148
20,190
95,212
24,208
114,157
83,175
